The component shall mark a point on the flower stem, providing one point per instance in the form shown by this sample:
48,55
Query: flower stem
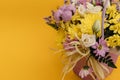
103,17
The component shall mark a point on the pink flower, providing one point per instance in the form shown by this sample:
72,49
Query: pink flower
83,2
99,2
85,71
67,45
100,48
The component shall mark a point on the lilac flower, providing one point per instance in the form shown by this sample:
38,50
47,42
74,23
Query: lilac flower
64,13
85,71
100,47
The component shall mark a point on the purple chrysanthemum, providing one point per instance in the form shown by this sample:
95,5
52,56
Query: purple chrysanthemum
100,47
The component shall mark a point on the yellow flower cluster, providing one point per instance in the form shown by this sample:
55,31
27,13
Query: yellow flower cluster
113,41
88,21
115,28
112,11
113,22
81,25
112,16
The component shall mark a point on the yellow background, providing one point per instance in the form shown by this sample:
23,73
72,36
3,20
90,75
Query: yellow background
25,42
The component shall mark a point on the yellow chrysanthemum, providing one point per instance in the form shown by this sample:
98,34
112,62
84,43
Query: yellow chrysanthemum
115,20
106,25
113,41
88,21
115,28
112,11
74,30
113,16
84,25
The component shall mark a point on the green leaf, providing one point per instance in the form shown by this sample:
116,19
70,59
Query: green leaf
108,57
101,59
111,64
54,26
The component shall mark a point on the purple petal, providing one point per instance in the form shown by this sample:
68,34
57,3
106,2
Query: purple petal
95,51
101,52
95,46
106,49
102,42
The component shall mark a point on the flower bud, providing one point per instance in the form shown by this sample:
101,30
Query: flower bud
96,26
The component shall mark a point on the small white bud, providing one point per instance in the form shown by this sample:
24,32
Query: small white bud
96,26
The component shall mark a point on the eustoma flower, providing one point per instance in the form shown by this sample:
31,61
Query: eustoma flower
85,71
100,48
89,8
88,40
64,13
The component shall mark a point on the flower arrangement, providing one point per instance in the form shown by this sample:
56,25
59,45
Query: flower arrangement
89,36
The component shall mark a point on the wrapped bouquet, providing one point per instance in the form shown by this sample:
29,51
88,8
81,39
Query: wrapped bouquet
88,36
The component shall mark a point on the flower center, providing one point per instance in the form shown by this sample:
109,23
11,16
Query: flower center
100,47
